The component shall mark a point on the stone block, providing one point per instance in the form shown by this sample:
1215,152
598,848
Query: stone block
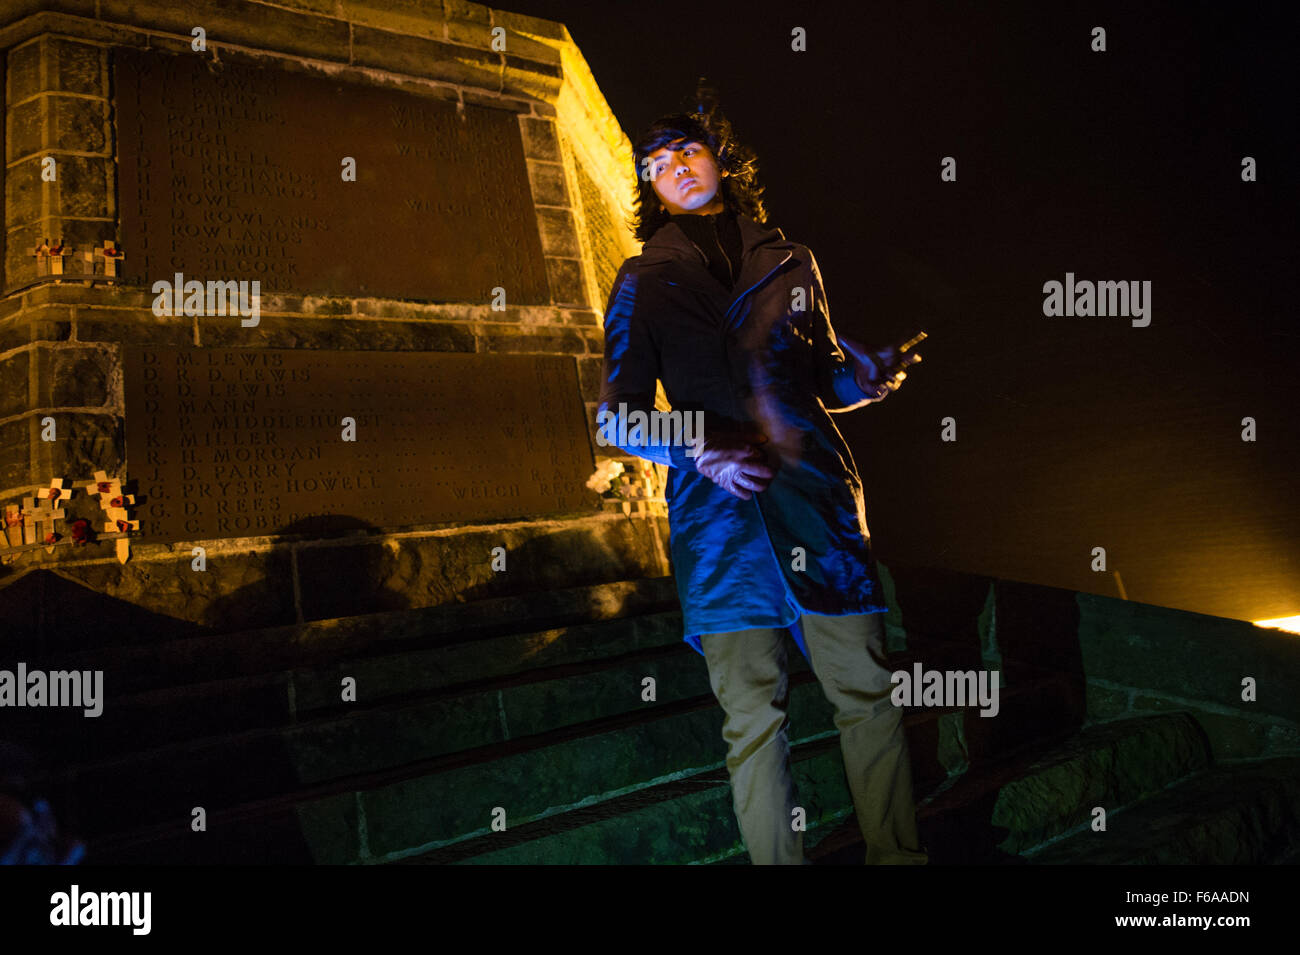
1234,737
591,375
25,128
240,589
1237,815
331,829
296,331
86,189
16,452
488,657
72,376
243,24
539,138
1105,704
134,326
410,311
85,443
467,11
534,79
595,339
951,750
566,282
82,26
26,193
15,10
457,802
14,387
76,67
327,7
51,323
24,76
677,831
418,56
530,26
531,340
549,189
497,101
76,293
559,236
1189,656
76,125
427,571
382,738
1283,739
516,44
551,704
1109,765
416,17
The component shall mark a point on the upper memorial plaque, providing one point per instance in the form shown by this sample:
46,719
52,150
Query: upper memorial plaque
237,175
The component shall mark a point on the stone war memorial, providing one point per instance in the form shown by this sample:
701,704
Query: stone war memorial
300,347
311,553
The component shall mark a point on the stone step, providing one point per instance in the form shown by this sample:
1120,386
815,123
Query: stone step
439,720
1246,813
383,672
692,821
439,799
137,666
1011,805
678,822
1109,764
194,714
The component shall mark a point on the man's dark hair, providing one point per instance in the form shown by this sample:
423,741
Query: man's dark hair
739,189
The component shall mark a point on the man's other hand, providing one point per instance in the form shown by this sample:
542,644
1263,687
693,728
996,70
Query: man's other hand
733,461
878,372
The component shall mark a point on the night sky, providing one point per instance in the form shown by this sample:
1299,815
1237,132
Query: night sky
1073,432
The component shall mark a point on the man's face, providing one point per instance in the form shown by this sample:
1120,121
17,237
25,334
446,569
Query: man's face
686,178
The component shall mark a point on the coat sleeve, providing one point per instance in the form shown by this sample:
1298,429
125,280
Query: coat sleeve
834,369
630,372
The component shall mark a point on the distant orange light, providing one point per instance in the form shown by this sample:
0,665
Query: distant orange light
1290,624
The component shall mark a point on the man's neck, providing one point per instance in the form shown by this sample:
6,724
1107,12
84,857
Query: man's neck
716,210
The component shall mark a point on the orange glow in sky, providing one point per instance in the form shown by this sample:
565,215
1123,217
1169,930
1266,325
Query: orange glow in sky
1282,623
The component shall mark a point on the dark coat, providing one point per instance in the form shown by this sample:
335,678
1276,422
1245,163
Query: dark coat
748,357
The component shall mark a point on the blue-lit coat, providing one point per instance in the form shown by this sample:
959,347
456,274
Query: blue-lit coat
752,356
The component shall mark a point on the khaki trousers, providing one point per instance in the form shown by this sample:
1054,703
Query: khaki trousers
747,670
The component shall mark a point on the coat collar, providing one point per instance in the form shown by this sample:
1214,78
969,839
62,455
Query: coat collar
679,261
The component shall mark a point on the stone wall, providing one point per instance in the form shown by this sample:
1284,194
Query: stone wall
60,339
1121,658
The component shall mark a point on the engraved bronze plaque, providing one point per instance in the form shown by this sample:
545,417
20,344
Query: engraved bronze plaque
235,442
234,173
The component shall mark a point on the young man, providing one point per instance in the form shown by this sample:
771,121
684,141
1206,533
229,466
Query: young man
767,522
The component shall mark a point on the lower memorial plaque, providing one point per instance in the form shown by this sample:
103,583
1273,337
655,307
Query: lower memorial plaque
246,441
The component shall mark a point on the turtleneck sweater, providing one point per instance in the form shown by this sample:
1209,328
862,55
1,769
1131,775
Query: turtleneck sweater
718,237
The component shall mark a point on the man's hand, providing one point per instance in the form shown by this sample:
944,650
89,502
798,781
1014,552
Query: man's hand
733,461
879,372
